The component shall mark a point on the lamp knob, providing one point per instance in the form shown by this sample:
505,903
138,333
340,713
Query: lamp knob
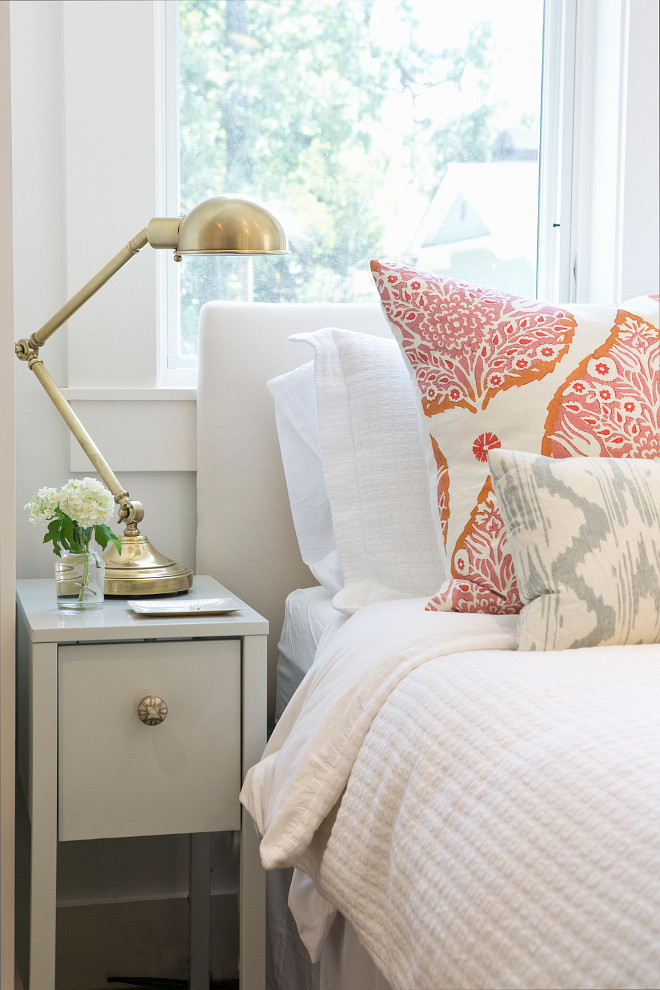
152,710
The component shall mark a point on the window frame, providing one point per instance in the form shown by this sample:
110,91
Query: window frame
173,370
555,252
594,133
555,266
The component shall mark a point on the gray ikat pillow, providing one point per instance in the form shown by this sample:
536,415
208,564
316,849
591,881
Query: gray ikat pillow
584,534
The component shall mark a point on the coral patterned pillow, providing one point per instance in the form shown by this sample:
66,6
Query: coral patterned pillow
493,370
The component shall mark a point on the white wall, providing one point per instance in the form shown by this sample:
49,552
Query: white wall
7,598
69,221
639,259
39,275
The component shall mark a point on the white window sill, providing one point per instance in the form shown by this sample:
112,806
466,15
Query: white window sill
130,394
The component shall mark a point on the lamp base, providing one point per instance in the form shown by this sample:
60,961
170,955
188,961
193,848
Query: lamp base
140,570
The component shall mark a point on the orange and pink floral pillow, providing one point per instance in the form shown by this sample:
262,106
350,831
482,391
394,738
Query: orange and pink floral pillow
494,370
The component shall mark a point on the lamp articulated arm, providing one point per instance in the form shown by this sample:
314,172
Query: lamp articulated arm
221,225
138,569
130,512
161,232
38,339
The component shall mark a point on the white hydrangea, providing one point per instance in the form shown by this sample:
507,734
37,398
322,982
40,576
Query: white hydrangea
87,502
42,506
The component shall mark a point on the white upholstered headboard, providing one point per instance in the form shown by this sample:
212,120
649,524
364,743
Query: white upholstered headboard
245,535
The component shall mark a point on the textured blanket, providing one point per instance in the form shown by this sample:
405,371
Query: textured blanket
482,817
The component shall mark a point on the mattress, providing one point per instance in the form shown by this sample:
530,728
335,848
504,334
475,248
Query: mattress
309,618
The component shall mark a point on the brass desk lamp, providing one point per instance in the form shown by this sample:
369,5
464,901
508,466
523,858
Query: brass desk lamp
221,225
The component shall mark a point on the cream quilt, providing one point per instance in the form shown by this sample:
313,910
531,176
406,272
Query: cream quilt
482,817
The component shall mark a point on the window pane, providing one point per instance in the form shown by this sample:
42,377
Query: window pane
399,128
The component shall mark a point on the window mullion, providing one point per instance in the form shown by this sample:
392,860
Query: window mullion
556,258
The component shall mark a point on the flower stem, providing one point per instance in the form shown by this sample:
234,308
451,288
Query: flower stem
85,580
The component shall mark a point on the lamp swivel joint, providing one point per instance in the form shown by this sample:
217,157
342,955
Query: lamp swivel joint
23,348
27,350
130,512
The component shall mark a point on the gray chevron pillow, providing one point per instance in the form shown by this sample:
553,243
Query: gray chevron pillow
585,540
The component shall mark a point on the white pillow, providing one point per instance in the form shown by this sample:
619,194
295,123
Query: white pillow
387,532
648,307
298,433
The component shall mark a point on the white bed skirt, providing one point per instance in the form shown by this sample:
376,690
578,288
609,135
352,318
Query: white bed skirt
344,964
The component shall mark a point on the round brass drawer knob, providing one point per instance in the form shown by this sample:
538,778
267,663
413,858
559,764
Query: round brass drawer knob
152,710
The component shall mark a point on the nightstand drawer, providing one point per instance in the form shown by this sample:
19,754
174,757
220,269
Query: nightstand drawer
118,776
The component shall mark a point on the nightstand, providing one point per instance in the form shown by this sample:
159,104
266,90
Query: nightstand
92,769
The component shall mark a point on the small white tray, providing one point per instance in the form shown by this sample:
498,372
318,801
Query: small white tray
199,606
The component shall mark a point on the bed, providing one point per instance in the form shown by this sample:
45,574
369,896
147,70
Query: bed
461,786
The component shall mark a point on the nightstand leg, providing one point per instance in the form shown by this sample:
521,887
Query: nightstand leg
43,815
200,910
253,910
252,961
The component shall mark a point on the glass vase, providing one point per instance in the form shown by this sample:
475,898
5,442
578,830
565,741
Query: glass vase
79,579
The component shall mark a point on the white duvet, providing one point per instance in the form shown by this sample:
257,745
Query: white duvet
482,817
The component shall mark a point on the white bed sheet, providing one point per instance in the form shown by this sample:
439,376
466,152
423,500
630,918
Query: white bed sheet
309,618
310,947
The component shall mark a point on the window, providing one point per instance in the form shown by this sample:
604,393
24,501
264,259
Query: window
400,128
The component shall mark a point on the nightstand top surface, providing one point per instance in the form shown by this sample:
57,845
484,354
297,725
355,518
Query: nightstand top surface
48,623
